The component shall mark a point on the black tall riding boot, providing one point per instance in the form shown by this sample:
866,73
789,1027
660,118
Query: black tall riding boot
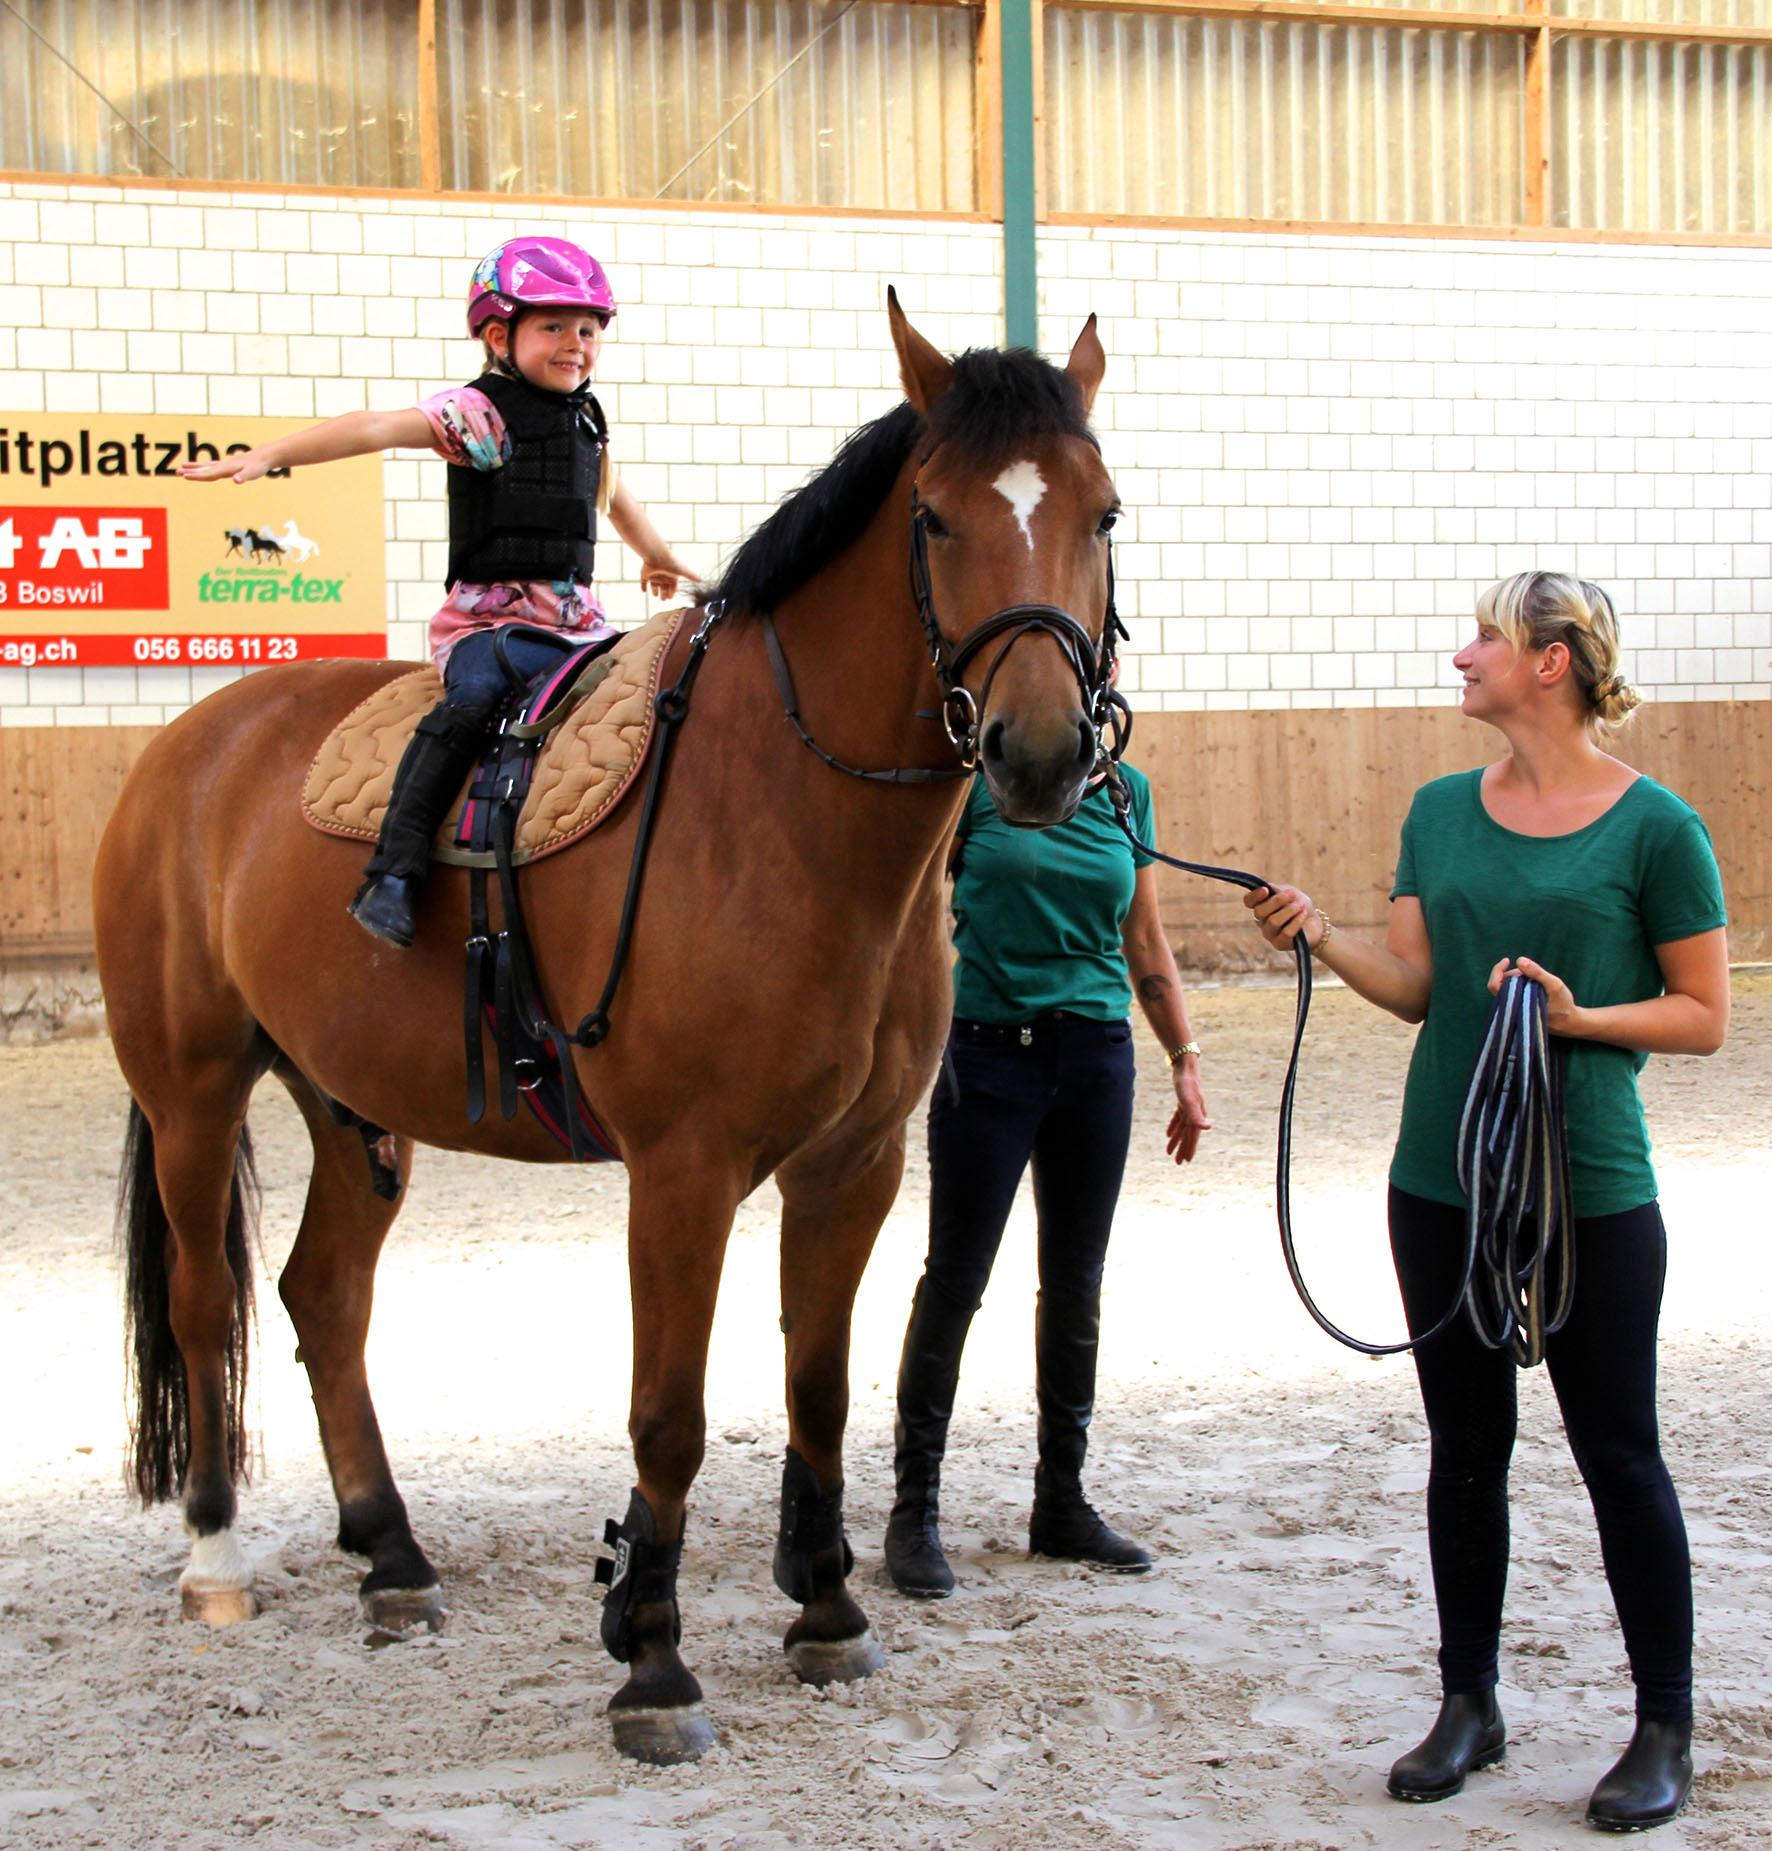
1067,1336
928,1371
441,754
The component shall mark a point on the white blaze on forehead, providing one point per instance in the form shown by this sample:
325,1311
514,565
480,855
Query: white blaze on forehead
1024,488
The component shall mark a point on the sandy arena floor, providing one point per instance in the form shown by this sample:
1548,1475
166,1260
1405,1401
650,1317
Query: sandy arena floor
1252,1692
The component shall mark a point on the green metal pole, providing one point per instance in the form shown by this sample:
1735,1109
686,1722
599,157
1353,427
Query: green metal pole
1021,315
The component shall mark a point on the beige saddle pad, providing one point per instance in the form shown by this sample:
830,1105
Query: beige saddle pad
585,767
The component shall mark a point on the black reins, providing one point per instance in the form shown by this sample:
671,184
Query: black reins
1519,1254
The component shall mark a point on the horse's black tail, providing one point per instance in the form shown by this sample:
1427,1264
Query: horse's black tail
160,1428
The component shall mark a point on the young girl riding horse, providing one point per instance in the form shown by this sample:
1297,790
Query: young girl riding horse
531,475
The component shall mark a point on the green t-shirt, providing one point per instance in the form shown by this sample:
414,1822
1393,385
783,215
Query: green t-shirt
1038,913
1591,907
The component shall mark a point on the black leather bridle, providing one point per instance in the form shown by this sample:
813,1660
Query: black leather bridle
960,711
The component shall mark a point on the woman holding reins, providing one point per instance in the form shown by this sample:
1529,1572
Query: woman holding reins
1559,862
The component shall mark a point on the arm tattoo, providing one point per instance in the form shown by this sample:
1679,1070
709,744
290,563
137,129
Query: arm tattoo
1152,990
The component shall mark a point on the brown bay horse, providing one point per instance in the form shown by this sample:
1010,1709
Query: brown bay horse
783,1009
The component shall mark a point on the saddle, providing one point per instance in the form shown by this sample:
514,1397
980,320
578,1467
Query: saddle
557,764
595,718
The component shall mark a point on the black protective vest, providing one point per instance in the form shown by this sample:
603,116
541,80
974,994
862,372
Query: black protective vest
536,518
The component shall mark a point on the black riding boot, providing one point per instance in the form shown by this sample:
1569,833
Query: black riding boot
440,756
1467,1734
928,1371
1648,1784
1067,1335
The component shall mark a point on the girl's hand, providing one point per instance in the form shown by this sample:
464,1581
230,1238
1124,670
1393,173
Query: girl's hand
1189,1118
661,577
1282,913
1562,1014
248,466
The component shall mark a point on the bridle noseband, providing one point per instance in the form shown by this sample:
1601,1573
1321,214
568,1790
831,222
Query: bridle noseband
1094,668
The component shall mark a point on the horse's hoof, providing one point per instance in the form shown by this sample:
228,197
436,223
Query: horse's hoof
396,1613
835,1661
662,1738
218,1606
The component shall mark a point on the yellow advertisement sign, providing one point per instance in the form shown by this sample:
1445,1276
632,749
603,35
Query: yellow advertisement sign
109,558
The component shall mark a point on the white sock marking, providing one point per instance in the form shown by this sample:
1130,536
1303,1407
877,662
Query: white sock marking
1023,487
217,1562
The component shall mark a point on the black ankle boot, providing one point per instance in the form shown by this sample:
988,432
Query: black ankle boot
385,906
914,1555
1467,1734
1648,1784
1067,1526
927,1373
440,755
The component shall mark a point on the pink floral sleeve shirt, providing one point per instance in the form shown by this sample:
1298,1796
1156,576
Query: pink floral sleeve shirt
467,432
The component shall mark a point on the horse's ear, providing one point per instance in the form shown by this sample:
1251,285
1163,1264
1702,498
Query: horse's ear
927,373
1087,363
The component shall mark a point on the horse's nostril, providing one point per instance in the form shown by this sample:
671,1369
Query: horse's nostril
1087,737
991,743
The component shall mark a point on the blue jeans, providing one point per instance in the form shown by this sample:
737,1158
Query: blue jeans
474,683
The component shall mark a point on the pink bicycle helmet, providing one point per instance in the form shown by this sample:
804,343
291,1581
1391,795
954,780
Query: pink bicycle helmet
536,273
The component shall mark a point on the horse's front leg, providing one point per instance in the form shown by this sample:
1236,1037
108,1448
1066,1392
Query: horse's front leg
678,1222
832,1208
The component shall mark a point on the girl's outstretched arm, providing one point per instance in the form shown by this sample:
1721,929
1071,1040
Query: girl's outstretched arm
356,433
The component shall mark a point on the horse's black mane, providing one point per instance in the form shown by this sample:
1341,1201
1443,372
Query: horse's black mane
998,401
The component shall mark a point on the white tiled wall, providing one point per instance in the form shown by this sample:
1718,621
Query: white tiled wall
1326,446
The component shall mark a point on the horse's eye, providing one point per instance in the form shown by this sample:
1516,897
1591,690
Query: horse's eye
933,524
1107,521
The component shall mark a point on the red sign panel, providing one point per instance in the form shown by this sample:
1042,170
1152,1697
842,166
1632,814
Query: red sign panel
60,559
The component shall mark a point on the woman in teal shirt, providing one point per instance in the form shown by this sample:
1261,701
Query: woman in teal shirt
1563,863
1053,930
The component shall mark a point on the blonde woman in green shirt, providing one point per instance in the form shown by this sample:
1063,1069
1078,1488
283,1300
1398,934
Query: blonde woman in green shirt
1561,862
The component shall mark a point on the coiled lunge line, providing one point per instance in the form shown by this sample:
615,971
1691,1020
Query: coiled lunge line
1519,1253
1513,1164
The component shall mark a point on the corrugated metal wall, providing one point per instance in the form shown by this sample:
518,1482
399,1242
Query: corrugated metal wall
612,98
1658,137
1671,12
871,105
1255,119
321,92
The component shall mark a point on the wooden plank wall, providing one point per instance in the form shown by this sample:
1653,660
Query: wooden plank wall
57,787
1315,797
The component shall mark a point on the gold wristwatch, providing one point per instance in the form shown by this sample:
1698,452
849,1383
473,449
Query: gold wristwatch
1181,1053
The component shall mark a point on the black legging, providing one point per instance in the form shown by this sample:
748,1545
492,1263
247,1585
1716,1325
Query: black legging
1602,1366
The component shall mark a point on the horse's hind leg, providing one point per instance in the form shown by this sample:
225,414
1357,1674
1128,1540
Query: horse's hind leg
328,1286
832,1208
189,1197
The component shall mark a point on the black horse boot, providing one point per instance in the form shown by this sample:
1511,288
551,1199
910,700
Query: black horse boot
927,1374
1467,1734
1649,1783
441,754
1067,1335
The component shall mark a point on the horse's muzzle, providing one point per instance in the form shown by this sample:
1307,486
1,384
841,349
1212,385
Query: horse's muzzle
1037,774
